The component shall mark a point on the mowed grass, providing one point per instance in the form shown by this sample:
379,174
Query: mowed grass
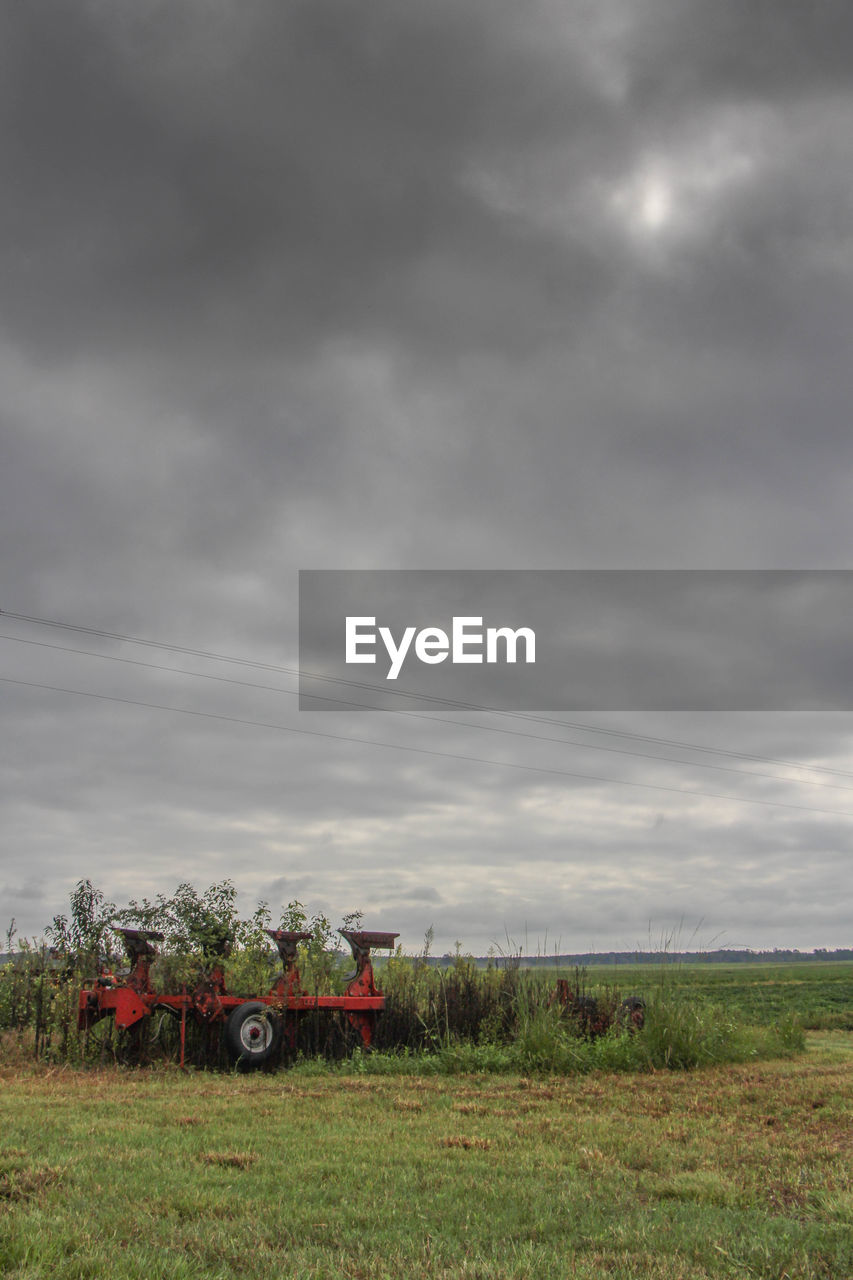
819,994
735,1171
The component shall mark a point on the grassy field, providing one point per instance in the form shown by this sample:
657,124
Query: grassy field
819,994
736,1171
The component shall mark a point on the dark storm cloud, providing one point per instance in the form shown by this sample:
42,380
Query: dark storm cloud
294,171
752,50
280,175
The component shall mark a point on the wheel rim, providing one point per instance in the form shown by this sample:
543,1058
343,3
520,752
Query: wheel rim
256,1034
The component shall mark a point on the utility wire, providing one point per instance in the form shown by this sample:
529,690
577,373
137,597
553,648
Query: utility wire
425,751
418,715
402,693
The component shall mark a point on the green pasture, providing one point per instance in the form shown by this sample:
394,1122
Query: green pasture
818,994
722,1172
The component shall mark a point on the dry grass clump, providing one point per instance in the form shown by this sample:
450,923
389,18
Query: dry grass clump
229,1159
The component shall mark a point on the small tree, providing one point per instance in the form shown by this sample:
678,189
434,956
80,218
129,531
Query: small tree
85,935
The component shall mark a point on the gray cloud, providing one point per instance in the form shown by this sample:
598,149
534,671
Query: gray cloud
445,286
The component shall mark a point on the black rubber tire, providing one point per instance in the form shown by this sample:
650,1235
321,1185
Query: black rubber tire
252,1034
631,1014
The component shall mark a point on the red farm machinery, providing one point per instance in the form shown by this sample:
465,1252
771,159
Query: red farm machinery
253,1027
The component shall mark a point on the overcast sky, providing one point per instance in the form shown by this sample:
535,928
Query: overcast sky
464,284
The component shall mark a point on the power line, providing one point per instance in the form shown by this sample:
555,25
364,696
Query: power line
403,693
417,715
426,751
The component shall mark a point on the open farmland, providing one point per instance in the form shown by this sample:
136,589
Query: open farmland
818,994
735,1171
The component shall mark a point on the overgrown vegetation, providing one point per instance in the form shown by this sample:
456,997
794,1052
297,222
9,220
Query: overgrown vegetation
438,1019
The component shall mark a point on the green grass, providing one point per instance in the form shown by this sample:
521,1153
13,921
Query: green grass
737,1171
819,994
678,1035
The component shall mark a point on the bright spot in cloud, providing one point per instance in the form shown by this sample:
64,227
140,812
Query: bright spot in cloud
654,202
680,193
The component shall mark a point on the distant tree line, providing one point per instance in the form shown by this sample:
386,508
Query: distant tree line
739,955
